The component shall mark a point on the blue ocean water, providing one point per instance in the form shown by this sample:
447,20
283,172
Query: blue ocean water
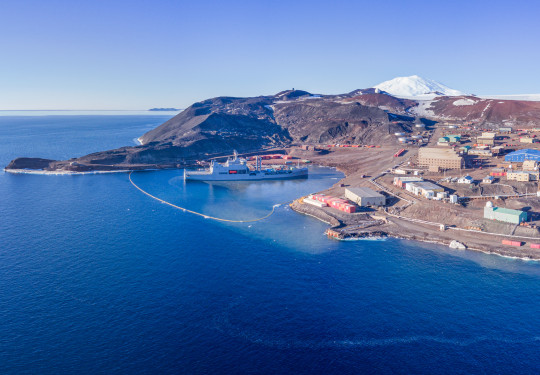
98,278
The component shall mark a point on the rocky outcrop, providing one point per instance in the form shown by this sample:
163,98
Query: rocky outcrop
29,163
457,245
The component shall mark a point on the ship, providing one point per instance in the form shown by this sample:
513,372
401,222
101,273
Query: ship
237,169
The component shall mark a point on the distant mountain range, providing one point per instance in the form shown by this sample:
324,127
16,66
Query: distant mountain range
364,116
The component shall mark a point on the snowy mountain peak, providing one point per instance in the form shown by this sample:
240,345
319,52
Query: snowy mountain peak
416,87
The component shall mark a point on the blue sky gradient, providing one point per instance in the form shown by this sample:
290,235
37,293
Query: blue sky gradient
142,54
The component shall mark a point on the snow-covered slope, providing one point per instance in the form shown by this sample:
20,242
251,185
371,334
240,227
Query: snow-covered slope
416,87
526,97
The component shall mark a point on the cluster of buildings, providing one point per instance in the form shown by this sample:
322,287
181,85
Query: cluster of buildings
529,160
418,186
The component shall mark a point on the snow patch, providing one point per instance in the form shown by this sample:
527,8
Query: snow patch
526,97
423,108
461,102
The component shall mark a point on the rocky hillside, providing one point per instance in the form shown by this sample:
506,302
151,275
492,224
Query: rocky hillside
288,117
492,113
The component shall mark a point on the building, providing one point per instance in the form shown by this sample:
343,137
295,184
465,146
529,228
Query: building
453,138
443,140
530,165
485,141
480,152
522,176
528,140
314,202
363,196
505,215
465,149
505,130
497,150
443,158
465,180
491,135
498,172
424,188
488,180
520,156
442,195
401,181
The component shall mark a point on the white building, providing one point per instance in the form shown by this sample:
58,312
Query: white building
488,180
465,180
363,196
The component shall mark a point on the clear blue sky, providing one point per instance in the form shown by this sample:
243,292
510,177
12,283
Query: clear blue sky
141,54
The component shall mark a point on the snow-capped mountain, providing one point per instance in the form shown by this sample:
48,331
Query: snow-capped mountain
416,87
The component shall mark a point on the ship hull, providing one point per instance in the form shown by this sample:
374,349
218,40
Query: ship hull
258,176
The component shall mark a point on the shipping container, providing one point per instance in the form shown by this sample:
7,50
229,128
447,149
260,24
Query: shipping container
512,243
399,153
535,246
349,208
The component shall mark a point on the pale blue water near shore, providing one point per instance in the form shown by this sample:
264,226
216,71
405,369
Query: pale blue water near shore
98,278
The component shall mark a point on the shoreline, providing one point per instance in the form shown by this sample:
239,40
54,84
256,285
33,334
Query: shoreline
394,227
440,241
400,229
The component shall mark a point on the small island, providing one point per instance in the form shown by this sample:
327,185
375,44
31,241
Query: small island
164,109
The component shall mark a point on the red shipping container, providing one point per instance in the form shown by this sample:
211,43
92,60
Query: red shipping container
535,246
512,243
349,208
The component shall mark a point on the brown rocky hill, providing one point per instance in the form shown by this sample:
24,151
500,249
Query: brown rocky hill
489,112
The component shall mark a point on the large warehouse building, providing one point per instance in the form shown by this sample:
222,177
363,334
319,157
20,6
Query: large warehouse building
363,196
443,158
504,214
520,156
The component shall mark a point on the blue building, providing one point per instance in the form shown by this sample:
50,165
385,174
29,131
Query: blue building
520,156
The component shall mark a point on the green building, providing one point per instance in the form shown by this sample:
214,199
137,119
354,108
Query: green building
505,215
450,138
453,138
